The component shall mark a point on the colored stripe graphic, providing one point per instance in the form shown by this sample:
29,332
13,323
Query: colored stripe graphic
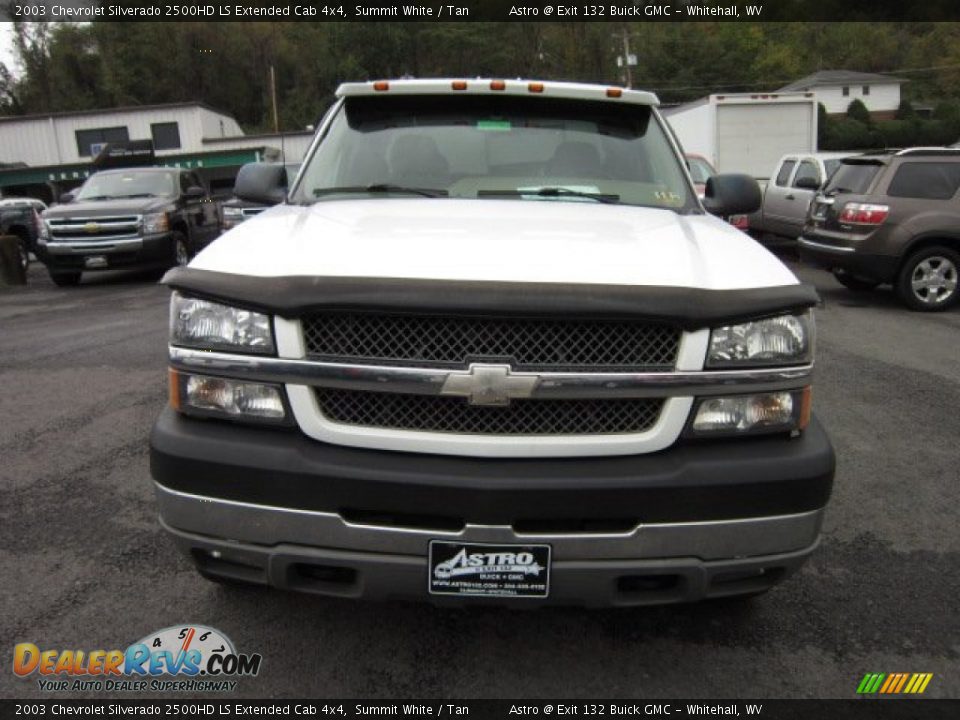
894,683
919,683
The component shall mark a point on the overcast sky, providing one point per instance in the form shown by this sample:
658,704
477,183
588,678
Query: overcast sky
6,46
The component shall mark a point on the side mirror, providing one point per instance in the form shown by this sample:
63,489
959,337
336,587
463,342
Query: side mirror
731,194
194,192
806,183
67,197
262,183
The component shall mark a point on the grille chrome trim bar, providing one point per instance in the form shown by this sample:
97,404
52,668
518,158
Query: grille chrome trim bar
97,245
431,381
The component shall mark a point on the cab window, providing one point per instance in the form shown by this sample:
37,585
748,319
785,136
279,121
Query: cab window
783,177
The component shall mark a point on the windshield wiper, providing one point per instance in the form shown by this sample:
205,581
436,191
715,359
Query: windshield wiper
96,197
836,191
551,192
136,195
381,188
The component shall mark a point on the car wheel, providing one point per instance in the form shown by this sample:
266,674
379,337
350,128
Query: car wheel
24,253
65,279
928,279
181,250
852,282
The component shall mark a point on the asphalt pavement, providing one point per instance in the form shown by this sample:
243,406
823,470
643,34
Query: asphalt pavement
85,566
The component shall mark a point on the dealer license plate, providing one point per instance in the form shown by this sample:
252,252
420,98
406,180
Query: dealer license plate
477,569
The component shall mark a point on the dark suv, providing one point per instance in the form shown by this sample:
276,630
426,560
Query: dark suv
891,217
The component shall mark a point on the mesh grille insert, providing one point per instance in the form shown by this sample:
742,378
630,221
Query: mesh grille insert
527,343
432,413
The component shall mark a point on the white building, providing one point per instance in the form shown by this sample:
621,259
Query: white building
42,155
836,89
67,138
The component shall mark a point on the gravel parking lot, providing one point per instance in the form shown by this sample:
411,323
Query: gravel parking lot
84,565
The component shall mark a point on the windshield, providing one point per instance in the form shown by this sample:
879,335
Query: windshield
497,147
852,177
700,170
109,186
830,166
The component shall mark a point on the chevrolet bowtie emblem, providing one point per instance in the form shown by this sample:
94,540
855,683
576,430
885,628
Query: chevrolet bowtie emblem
489,385
91,227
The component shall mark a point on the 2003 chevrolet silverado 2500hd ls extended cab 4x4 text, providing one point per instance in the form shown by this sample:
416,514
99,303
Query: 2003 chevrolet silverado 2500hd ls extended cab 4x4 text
491,347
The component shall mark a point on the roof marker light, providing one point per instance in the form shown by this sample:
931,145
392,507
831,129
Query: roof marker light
614,92
381,85
535,87
498,85
459,84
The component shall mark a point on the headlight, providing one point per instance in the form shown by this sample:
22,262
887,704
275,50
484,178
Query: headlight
212,326
781,340
156,223
232,399
782,411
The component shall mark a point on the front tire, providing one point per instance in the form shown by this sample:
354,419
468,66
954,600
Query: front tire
181,250
852,282
65,279
22,252
928,279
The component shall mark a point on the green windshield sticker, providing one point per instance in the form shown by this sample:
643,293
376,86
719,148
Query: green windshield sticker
493,125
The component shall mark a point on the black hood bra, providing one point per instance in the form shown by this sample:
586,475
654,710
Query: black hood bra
297,296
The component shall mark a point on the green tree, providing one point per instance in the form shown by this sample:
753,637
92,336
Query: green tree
856,110
905,111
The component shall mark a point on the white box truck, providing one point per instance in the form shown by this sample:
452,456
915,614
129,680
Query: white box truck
746,132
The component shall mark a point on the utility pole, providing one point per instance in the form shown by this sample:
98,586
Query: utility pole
273,98
626,58
626,61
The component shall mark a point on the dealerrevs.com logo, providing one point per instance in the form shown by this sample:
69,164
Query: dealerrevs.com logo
183,658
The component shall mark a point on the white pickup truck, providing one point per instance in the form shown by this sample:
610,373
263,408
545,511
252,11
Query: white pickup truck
789,192
490,346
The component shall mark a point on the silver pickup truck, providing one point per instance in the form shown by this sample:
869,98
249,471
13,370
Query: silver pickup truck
789,192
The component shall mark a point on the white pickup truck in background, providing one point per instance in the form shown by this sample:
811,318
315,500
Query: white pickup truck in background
787,196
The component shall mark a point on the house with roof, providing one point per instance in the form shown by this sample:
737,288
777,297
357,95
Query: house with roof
836,89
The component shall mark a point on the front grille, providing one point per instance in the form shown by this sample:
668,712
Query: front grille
94,228
526,343
432,413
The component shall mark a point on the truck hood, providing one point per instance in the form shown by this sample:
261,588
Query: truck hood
495,240
106,208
